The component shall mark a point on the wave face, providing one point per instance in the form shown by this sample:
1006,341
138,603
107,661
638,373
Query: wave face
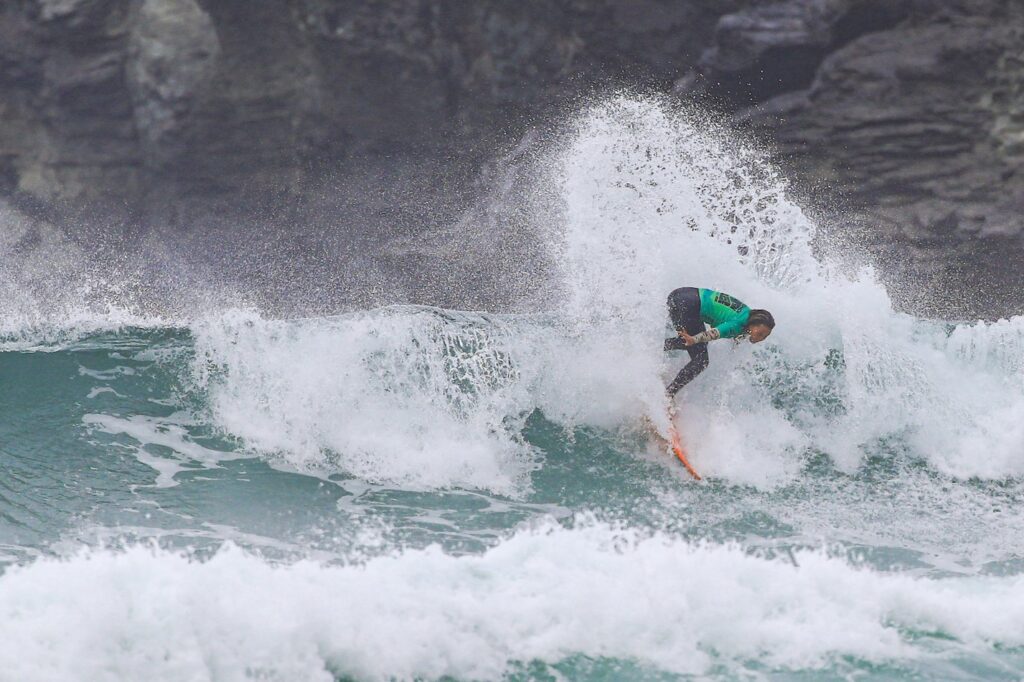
206,491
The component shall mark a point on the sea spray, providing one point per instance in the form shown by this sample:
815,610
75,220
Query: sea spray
544,595
651,200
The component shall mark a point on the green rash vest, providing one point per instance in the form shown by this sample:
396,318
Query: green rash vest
723,312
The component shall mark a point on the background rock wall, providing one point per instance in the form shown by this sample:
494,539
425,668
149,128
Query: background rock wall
910,120
902,119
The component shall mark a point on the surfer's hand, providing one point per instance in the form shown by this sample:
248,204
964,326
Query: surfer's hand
687,339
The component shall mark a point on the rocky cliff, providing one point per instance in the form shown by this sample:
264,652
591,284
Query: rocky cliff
908,117
902,117
123,98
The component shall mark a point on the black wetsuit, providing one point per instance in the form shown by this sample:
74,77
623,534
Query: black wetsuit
684,309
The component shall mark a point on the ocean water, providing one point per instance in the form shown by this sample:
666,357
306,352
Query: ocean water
211,492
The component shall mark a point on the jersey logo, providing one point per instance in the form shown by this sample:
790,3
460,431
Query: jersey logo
729,302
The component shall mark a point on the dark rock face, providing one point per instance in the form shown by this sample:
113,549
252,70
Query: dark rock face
774,48
172,53
905,115
133,99
62,65
916,128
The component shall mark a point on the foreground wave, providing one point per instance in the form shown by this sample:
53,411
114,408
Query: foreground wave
548,598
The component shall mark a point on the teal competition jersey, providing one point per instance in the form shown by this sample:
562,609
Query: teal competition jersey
723,312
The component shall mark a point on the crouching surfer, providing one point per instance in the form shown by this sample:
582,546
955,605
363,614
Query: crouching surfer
691,308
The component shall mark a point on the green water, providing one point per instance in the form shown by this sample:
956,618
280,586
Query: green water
109,441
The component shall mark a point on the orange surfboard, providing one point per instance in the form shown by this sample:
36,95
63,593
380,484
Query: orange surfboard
677,447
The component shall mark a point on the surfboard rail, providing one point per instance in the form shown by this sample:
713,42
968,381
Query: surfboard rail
680,452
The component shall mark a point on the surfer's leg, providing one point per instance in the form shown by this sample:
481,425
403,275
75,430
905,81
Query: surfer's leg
699,361
684,311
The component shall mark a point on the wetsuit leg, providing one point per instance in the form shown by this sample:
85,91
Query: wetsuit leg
699,361
684,310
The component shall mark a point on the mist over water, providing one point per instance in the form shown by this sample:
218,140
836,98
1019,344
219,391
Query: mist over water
234,492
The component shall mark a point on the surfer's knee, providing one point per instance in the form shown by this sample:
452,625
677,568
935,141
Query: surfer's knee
702,364
698,363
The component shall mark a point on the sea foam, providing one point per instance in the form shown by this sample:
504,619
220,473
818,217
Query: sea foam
544,594
651,199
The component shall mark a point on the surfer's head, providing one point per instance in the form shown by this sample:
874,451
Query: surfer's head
760,325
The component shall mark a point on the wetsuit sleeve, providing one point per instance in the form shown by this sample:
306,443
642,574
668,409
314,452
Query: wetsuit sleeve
709,335
726,330
733,327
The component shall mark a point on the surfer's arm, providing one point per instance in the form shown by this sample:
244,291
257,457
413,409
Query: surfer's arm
705,336
727,330
735,326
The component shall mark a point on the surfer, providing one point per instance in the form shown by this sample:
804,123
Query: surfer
690,308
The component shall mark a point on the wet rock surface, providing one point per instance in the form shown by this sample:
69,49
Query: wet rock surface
901,119
909,130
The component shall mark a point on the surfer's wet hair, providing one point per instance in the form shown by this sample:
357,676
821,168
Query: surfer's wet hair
759,316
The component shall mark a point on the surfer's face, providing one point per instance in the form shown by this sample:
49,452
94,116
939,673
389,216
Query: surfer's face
758,332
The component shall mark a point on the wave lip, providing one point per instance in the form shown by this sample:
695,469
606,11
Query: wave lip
414,397
544,594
